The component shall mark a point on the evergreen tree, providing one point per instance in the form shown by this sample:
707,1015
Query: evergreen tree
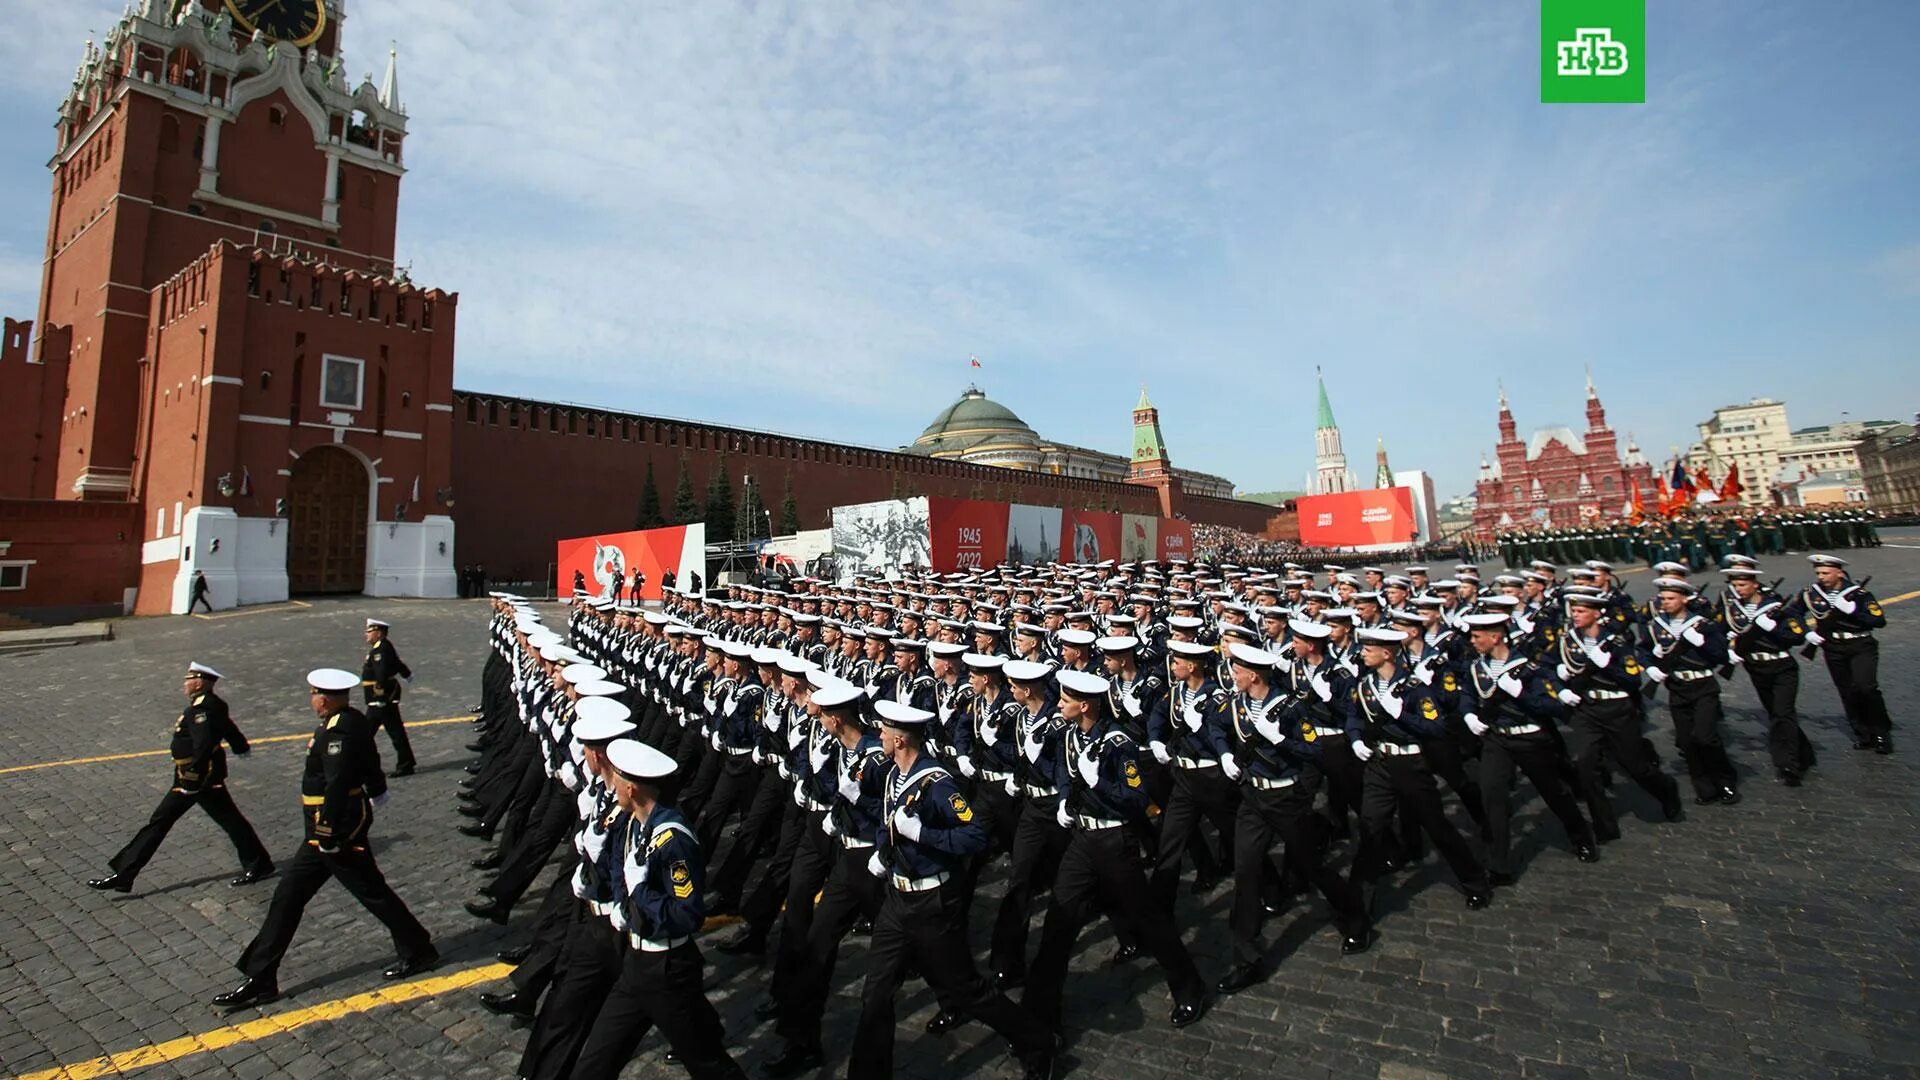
686,509
719,509
751,521
789,511
649,516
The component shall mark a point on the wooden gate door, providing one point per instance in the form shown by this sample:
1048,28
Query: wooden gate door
327,523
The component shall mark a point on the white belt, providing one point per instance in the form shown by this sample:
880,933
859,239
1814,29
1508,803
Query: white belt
1032,792
1397,749
1606,695
853,844
920,884
1765,656
731,752
1520,729
601,909
1094,824
1849,635
1196,763
654,945
1328,732
996,777
1692,676
1261,783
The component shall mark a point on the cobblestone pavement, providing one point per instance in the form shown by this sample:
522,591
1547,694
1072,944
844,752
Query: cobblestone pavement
1773,938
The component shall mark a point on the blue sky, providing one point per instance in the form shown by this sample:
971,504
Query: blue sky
806,216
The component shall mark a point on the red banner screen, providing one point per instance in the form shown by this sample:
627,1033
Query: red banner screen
968,534
1357,518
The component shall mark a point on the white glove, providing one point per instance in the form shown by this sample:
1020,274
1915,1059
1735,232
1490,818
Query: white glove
1844,605
1474,724
1229,766
1600,656
1734,657
1013,787
1815,637
946,713
1568,698
1160,754
1030,746
966,766
1322,689
1270,730
382,798
1362,750
1424,675
827,826
1693,634
1765,621
1130,702
1561,671
872,689
1391,704
1089,770
1656,675
989,733
906,824
849,788
1512,685
1060,815
1190,716
875,866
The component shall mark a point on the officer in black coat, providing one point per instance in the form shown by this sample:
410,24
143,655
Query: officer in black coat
199,776
381,676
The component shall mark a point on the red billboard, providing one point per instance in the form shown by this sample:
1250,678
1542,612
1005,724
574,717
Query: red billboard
1176,539
966,534
597,559
1089,536
1382,516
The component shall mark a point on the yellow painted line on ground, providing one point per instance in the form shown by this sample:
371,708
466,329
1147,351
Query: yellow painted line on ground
411,724
291,605
279,1024
1902,598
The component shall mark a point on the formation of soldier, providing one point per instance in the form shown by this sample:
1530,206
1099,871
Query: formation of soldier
1699,541
831,756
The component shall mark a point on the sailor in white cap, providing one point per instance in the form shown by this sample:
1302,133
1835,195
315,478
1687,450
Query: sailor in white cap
741,700
1391,713
1510,703
1598,661
1190,734
1840,616
381,675
766,797
1276,747
338,791
932,833
199,776
1686,646
662,907
1038,838
1761,637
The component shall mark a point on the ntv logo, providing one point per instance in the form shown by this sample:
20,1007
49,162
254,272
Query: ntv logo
1592,52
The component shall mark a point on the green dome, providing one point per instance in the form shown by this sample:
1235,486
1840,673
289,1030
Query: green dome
974,420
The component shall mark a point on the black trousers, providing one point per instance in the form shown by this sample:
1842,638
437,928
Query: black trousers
588,968
1695,708
545,833
762,814
1855,667
814,857
762,906
1610,728
850,893
1197,794
551,925
706,779
1038,841
1285,815
1101,873
386,714
301,878
219,806
1405,784
1777,684
1537,756
661,990
1345,777
998,815
928,931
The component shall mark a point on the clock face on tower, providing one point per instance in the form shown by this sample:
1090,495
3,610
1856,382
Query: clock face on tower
297,22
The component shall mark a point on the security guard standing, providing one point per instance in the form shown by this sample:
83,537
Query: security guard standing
381,677
199,776
1840,617
338,791
930,835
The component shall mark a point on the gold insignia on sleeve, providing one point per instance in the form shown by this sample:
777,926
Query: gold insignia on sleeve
960,808
682,878
660,840
1793,625
333,721
1306,731
1428,710
1132,772
1633,666
199,699
1448,684
1873,608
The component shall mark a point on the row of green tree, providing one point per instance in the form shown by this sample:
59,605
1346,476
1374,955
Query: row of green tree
726,517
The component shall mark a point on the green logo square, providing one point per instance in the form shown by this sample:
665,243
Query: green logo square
1593,50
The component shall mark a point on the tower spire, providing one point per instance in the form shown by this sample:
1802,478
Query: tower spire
390,86
1329,459
1150,457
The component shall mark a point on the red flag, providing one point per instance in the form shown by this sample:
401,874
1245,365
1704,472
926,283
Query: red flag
973,361
1662,501
1639,513
1730,488
1703,482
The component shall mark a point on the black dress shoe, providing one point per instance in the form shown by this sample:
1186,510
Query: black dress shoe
1357,943
490,910
1478,898
516,1005
1499,880
1865,742
1009,980
1239,978
247,994
1125,954
1606,837
257,873
794,1060
1039,1066
115,881
403,770
1729,797
671,1057
473,769
1204,885
472,810
863,925
1586,852
476,747
1182,1015
1673,811
744,943
515,955
1789,777
476,830
767,1009
1883,744
413,965
1706,800
489,861
944,1021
